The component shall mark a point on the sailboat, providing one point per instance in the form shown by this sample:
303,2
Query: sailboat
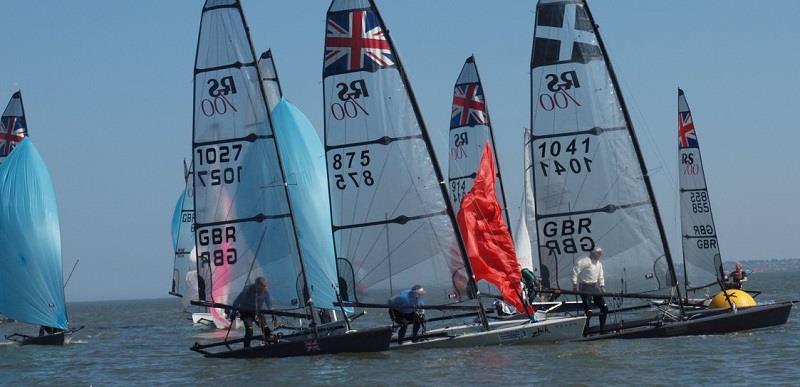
393,224
31,281
254,210
13,126
591,185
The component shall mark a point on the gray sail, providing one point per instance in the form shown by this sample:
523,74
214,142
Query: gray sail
393,224
590,181
701,257
269,79
470,130
243,222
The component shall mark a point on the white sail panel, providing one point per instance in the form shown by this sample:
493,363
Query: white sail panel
470,130
269,78
392,225
590,183
701,256
243,223
525,235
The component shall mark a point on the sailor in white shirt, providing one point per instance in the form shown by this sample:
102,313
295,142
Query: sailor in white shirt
588,280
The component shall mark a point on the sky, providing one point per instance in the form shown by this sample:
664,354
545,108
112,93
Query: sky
107,88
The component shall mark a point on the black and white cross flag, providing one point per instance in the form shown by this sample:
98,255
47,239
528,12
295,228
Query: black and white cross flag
564,34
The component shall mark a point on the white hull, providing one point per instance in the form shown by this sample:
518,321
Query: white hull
510,332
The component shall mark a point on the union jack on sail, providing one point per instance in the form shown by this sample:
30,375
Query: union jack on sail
12,125
469,107
355,41
686,134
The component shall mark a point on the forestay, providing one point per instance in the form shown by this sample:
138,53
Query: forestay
525,234
13,126
470,130
31,282
590,181
701,257
182,237
269,79
392,222
243,226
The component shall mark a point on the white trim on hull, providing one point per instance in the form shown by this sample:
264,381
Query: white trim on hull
510,332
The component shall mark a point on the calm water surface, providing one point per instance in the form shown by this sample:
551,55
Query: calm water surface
146,342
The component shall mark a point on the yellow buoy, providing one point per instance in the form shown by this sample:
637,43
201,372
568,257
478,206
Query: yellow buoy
738,297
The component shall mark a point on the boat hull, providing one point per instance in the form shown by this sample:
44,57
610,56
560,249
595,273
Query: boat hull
370,340
51,339
709,322
522,332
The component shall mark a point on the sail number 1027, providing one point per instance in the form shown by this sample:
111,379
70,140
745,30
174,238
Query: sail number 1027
553,149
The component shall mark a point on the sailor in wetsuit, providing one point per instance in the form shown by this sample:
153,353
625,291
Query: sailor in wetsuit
406,308
248,303
737,277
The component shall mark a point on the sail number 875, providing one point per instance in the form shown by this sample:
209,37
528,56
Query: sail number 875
555,149
344,162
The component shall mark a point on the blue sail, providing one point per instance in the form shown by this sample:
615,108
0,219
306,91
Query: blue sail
304,163
31,281
176,220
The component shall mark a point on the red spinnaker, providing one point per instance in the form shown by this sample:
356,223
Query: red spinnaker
489,245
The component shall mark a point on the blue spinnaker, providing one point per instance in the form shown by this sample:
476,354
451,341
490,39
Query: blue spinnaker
176,220
304,163
31,280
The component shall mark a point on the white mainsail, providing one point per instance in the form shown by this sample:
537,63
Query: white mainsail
393,224
701,257
590,181
244,227
470,130
525,234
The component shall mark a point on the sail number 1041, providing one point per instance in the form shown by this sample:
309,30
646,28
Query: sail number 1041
553,149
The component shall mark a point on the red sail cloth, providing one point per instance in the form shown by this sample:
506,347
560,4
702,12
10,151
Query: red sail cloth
489,245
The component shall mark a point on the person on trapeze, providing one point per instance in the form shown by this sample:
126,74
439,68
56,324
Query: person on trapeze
737,277
253,298
588,280
406,308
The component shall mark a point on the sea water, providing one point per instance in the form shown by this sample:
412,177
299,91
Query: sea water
146,342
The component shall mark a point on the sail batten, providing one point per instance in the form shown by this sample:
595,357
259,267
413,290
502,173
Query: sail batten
589,177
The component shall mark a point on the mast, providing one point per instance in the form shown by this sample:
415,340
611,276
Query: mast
439,176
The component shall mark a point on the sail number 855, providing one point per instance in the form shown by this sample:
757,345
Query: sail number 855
344,162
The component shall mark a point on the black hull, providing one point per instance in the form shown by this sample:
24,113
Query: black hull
370,340
53,339
708,322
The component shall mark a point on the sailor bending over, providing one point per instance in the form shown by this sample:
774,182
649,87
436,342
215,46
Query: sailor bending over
248,303
406,308
587,278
